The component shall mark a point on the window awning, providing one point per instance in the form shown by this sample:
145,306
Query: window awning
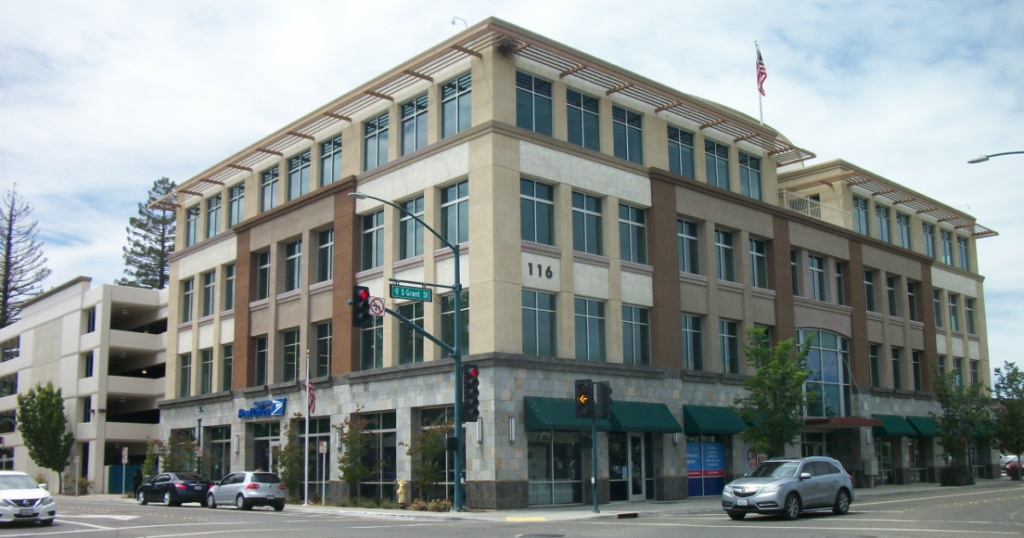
643,417
894,426
698,419
544,414
925,426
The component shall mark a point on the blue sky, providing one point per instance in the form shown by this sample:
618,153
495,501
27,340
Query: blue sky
99,98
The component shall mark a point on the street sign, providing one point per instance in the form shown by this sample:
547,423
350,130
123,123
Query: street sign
323,447
377,306
124,455
413,294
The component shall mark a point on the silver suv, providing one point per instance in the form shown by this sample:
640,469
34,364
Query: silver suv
788,486
247,489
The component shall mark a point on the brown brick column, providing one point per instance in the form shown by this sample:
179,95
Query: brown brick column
666,323
345,347
859,366
781,280
243,370
927,311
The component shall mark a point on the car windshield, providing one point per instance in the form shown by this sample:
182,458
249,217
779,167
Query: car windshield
17,482
775,469
188,476
266,478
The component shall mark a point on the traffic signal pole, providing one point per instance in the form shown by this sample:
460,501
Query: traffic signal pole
593,460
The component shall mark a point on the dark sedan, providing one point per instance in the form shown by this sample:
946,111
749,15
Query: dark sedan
173,489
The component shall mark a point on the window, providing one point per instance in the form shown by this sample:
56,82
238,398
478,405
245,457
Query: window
187,293
185,381
958,371
298,175
903,230
750,176
206,371
627,130
8,424
330,161
262,275
728,341
716,163
912,311
539,324
325,255
448,320
268,189
586,224
942,365
869,291
414,125
890,289
969,311
828,359
537,212
209,293
293,266
916,364
723,253
928,231
373,240
323,349
86,405
192,225
876,378
371,345
213,216
965,260
410,342
382,455
937,305
589,329
583,116
636,335
840,283
794,269
975,374
236,204
758,264
456,106
9,385
90,364
689,247
632,234
680,152
693,343
533,103
455,213
11,349
947,247
229,287
882,223
860,216
816,266
897,380
90,320
375,142
410,230
261,360
227,364
954,318
291,355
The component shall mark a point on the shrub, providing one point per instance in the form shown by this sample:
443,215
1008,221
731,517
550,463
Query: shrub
388,504
418,506
443,505
366,502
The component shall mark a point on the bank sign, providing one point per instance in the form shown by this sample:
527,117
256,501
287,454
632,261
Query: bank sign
265,408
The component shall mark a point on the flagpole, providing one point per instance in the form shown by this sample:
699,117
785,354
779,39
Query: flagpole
305,492
760,107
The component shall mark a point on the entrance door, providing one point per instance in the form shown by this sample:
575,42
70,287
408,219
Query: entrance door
636,467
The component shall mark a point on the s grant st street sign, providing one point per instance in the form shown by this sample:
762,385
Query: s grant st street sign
412,294
264,408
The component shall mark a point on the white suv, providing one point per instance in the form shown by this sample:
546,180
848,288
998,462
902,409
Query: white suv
788,486
247,489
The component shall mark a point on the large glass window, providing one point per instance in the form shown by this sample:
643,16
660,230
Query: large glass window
192,225
410,342
729,344
456,106
227,366
928,231
330,161
293,266
589,315
965,259
455,213
373,240
209,293
539,328
680,152
262,275
693,343
448,320
869,292
840,283
627,129
947,247
716,161
583,117
969,311
187,294
325,255
298,175
750,176
873,364
410,230
632,234
975,372
375,142
724,255
912,311
185,379
213,216
954,309
937,306
903,230
261,355
414,124
220,452
894,300
794,269
586,224
958,371
291,355
897,369
268,189
9,387
371,345
758,263
206,371
916,363
636,335
556,467
882,223
236,204
90,364
860,216
323,349
382,456
816,267
537,212
689,247
229,287
828,359
533,103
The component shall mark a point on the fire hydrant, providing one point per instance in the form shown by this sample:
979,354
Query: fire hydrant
403,495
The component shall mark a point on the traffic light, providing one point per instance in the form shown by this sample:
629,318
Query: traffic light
603,400
360,302
470,393
584,398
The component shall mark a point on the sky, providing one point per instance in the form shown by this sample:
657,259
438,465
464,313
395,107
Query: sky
100,98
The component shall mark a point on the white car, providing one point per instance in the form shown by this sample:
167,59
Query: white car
22,500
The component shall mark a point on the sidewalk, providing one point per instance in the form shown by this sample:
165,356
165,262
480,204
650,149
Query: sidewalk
696,505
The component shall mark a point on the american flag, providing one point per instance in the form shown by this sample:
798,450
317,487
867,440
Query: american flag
761,73
312,397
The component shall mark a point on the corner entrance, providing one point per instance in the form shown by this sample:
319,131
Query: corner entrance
627,467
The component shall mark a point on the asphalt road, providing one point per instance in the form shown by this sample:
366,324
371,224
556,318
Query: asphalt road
966,513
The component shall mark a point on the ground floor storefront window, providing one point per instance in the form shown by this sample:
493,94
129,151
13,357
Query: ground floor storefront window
630,466
555,463
434,418
265,436
818,444
918,461
885,449
705,464
219,464
319,432
383,455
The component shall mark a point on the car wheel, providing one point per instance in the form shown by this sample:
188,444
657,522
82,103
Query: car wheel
842,505
167,499
241,504
737,515
791,510
142,499
279,506
210,501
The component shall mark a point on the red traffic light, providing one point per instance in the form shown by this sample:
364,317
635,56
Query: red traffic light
364,294
473,371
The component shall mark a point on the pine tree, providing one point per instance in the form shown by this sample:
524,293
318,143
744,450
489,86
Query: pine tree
22,266
150,242
43,428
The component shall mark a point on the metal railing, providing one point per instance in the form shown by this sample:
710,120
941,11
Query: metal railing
816,209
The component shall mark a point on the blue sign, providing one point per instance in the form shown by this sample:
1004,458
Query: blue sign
265,408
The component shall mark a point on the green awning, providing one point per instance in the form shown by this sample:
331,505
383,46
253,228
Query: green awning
925,426
544,414
894,426
698,419
643,417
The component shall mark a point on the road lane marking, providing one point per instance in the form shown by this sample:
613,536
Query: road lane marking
95,516
761,528
99,527
137,527
534,519
952,495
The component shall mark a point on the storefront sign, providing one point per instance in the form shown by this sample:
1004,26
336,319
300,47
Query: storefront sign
265,408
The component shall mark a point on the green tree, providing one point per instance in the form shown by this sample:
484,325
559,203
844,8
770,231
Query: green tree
150,241
290,459
355,440
22,265
43,428
965,415
179,452
775,399
155,449
1008,414
428,451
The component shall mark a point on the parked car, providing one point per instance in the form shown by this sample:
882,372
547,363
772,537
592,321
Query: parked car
1006,459
1011,467
173,489
789,486
247,489
22,500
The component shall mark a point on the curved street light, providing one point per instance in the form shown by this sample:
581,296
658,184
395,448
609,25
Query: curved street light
983,158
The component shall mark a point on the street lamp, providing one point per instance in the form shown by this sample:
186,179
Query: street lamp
199,440
983,158
456,349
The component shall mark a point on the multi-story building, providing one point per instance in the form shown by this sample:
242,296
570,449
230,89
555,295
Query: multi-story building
103,347
610,228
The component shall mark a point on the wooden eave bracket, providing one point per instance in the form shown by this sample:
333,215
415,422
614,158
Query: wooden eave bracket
968,225
618,88
904,201
210,181
928,210
744,137
270,152
883,193
193,193
663,108
568,72
947,219
773,152
240,167
300,135
412,73
723,120
464,50
337,116
379,95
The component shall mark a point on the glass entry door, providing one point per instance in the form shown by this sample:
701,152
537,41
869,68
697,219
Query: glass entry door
636,467
626,466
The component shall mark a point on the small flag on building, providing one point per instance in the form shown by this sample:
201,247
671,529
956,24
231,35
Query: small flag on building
312,397
761,73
